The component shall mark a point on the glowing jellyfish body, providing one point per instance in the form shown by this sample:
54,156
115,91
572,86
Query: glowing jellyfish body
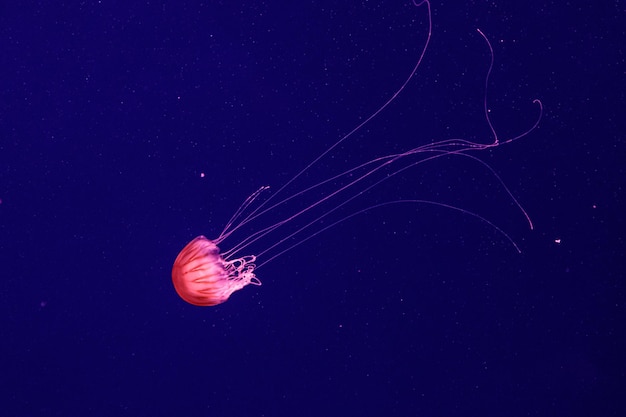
205,277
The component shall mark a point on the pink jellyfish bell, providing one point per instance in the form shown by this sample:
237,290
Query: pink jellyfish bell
203,278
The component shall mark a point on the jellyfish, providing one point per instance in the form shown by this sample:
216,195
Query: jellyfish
203,278
203,275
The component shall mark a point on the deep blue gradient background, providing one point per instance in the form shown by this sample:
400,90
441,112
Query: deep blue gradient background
111,110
